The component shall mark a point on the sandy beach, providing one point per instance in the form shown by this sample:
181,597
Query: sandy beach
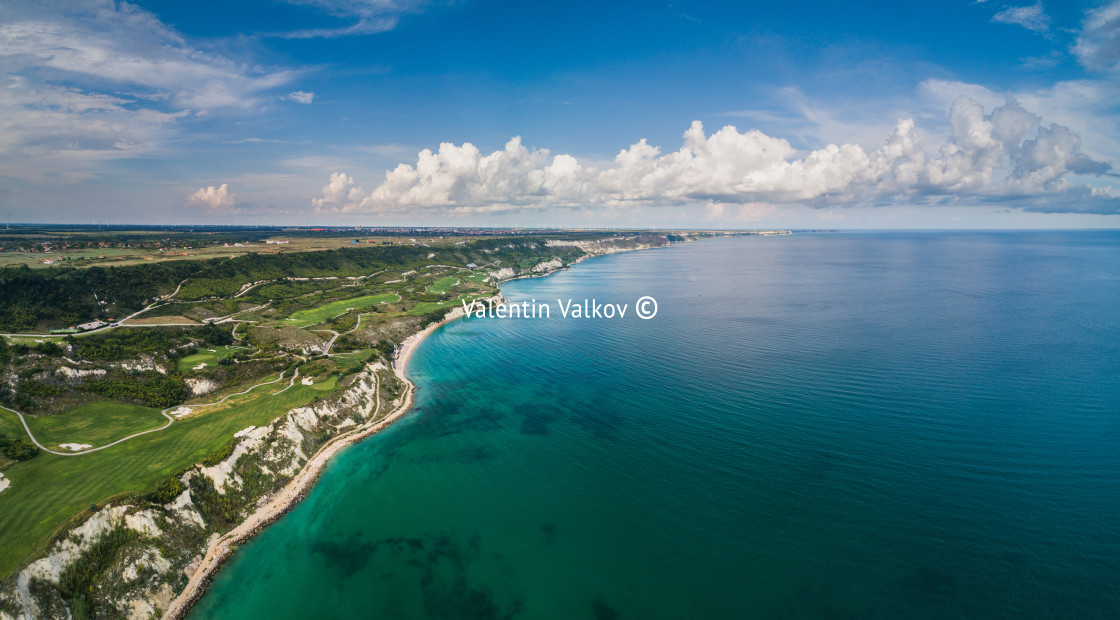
404,353
297,488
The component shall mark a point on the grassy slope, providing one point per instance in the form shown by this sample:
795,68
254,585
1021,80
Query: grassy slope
48,490
443,285
187,364
313,316
96,423
425,307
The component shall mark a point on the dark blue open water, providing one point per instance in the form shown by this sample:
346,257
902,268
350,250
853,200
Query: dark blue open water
833,425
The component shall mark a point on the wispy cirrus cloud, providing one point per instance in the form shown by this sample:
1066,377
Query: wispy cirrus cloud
361,17
1031,17
130,81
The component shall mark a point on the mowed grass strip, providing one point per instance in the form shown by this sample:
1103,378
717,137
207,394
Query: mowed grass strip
352,359
324,385
443,285
425,307
94,424
325,312
48,490
208,357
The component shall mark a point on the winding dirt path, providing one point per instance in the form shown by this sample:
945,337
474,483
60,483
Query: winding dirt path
170,420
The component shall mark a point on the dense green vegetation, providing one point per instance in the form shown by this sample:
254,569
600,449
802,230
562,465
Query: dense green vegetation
167,491
37,389
120,344
76,582
17,449
37,298
147,388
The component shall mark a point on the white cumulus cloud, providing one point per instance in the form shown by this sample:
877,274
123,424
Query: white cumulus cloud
213,197
1002,154
340,191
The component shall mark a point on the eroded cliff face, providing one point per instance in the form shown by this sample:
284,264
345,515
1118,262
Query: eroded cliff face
612,245
129,559
598,247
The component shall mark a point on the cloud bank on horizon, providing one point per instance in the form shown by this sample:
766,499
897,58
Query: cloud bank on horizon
1006,155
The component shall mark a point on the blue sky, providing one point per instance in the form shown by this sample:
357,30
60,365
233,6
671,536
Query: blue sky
473,112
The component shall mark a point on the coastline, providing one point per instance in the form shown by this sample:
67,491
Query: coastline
408,345
222,548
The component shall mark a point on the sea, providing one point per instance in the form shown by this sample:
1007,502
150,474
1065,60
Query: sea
819,425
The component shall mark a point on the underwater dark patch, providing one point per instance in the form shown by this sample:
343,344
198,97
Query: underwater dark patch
347,557
602,611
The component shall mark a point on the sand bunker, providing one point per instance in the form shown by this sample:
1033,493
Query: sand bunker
74,447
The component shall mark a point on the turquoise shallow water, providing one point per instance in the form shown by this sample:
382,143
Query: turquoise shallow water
845,425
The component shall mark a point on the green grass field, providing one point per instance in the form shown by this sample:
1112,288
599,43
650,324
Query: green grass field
425,307
443,285
352,359
323,385
314,316
478,278
49,490
95,424
208,357
10,426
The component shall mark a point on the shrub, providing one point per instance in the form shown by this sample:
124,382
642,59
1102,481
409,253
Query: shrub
167,491
219,455
17,449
